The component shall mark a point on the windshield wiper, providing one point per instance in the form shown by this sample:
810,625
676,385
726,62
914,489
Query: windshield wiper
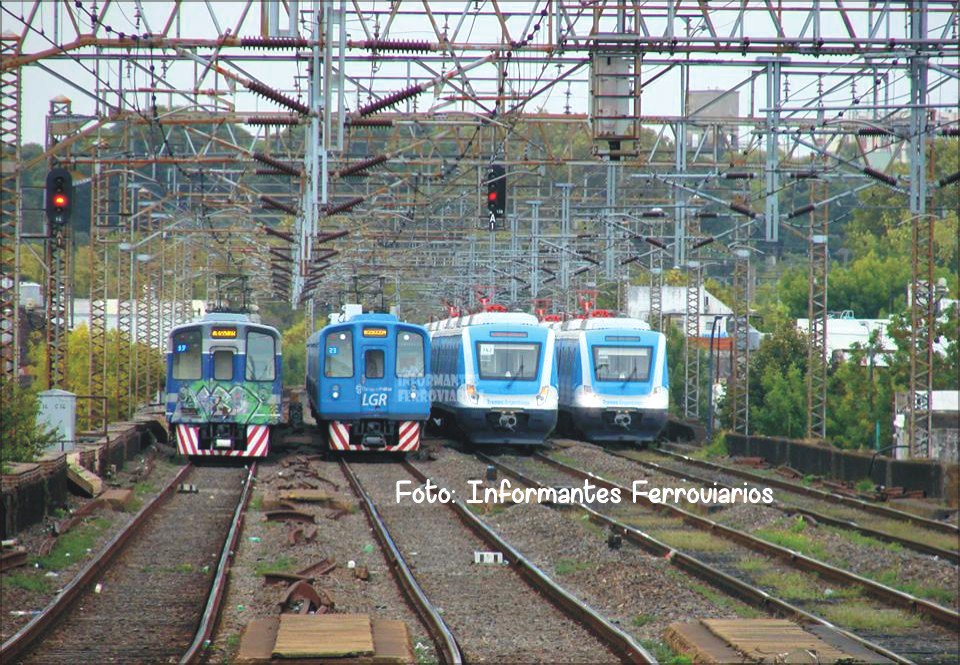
517,375
633,373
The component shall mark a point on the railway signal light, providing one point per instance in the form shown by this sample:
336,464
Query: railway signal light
497,190
59,195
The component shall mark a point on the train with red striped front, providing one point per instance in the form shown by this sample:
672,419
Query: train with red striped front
223,386
367,382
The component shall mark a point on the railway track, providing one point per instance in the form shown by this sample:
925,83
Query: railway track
165,569
481,603
446,643
686,474
952,530
929,640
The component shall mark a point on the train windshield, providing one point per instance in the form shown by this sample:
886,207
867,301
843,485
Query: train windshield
187,355
409,355
223,365
373,364
261,352
511,361
339,354
621,363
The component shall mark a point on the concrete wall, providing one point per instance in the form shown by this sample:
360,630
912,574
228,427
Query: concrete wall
930,476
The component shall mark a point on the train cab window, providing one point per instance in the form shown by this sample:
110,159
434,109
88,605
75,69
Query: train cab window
261,357
508,361
223,365
187,355
373,364
409,355
339,355
621,363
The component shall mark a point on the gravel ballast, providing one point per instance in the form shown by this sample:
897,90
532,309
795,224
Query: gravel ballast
495,616
264,546
640,593
28,589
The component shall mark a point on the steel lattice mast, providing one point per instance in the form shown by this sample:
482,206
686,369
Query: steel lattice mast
367,156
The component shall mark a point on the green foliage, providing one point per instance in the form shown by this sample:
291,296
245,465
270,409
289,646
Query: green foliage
642,620
783,411
28,580
871,243
568,566
73,546
23,440
689,539
664,654
675,368
864,616
120,401
792,585
799,542
799,524
778,384
295,353
865,485
281,564
675,371
716,448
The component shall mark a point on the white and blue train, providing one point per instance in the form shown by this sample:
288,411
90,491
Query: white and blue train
494,377
223,385
613,379
368,383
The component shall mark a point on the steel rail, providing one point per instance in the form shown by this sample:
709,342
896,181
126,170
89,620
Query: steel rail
618,641
886,511
442,635
746,592
942,615
950,555
40,624
211,613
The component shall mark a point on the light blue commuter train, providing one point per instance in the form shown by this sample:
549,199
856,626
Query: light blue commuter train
494,377
613,379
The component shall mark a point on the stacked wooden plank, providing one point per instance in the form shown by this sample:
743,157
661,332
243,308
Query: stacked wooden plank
763,641
354,638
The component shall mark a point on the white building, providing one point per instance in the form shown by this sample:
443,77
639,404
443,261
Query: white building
674,308
945,435
842,334
81,314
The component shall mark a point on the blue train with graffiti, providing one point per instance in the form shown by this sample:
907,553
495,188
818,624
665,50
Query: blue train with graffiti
368,382
614,383
495,381
223,386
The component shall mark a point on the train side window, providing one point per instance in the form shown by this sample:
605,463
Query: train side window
223,365
373,364
409,355
261,357
187,355
339,355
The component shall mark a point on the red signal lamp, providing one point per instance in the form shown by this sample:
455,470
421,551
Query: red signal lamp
59,200
492,196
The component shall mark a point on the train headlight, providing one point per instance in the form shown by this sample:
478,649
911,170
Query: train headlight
335,393
586,398
658,390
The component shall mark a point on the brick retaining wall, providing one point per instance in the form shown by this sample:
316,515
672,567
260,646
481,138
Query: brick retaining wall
33,491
